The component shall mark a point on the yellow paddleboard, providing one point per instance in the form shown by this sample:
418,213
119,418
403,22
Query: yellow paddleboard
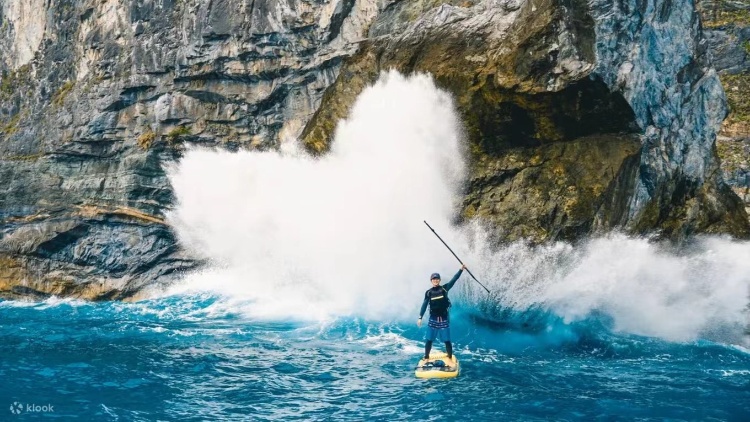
432,367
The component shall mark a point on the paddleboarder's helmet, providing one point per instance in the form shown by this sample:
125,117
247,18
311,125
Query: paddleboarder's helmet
434,276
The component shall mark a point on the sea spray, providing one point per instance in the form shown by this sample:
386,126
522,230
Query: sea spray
303,237
291,236
640,286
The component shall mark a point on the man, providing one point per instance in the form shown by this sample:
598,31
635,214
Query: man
438,326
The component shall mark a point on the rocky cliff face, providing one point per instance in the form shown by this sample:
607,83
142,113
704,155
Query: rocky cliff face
543,87
96,96
581,116
727,32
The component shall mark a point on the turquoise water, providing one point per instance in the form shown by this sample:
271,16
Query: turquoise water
194,357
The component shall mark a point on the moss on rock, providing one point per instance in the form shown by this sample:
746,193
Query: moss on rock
720,14
146,139
11,126
737,88
177,133
59,98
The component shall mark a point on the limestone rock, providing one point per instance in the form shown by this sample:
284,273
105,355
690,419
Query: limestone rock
582,116
571,72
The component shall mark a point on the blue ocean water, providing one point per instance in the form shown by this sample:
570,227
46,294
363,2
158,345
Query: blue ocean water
191,358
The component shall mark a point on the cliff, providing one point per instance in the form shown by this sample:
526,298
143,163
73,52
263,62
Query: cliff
582,117
727,32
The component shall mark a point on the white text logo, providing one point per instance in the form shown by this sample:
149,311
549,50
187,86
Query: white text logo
17,408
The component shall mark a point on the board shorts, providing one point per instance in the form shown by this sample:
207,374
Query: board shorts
438,328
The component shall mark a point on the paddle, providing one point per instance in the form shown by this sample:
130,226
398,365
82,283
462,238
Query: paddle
454,254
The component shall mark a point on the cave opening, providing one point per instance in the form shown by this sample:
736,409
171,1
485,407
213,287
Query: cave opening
501,119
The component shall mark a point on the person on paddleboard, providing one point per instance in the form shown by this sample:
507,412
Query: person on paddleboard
438,326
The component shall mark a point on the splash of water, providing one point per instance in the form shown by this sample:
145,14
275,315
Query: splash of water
644,287
293,236
343,234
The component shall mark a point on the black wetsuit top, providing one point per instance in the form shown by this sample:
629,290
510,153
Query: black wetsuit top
447,287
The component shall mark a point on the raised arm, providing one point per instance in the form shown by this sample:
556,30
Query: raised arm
453,281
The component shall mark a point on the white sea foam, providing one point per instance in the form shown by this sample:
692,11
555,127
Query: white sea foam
342,234
295,237
390,341
643,287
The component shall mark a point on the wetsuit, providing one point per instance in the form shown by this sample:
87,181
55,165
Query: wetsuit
438,326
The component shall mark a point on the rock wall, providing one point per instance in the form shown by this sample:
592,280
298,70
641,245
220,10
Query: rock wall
581,116
598,77
727,32
96,96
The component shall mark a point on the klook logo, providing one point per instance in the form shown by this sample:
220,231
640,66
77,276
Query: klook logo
16,408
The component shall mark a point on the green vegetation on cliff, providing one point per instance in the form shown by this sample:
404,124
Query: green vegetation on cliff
733,155
176,133
722,13
59,97
10,81
11,126
737,88
146,139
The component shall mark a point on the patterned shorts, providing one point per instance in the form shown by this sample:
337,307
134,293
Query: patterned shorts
438,328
